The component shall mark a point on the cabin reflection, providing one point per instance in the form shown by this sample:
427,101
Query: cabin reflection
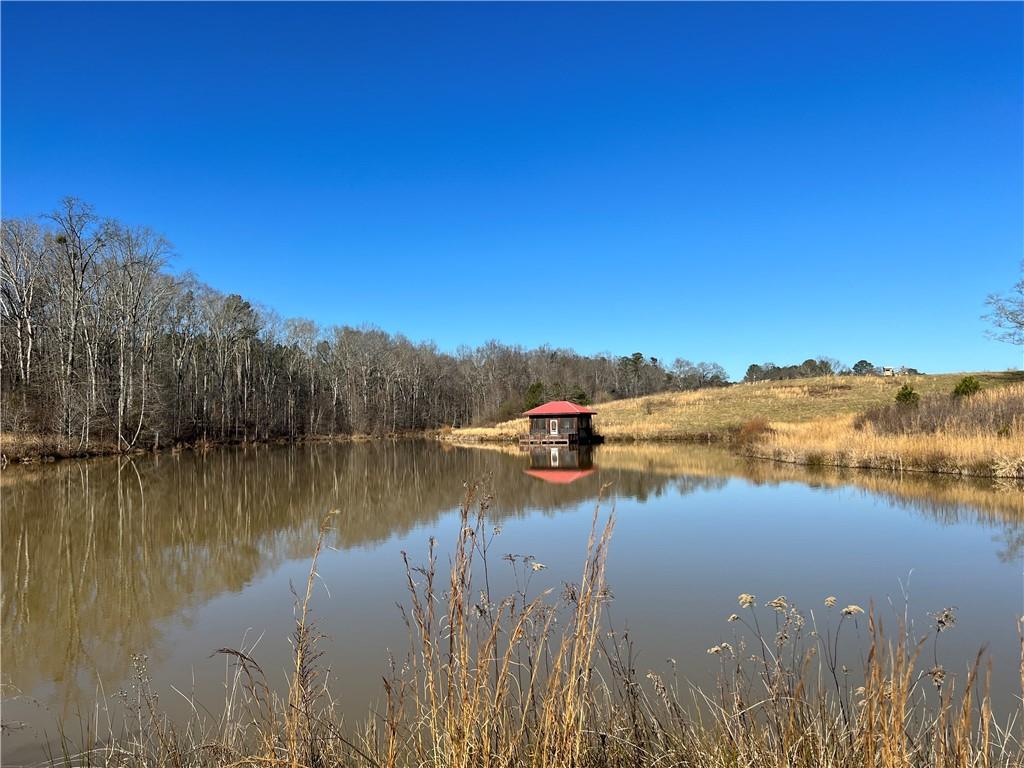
561,464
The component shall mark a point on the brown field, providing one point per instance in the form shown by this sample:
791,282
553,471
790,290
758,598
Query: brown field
20,446
810,421
981,450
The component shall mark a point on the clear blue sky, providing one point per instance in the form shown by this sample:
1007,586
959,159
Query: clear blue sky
728,182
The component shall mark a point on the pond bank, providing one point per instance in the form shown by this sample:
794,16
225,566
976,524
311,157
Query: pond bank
28,448
824,422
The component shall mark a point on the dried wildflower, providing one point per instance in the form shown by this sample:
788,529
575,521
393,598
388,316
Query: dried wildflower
746,600
715,649
860,691
944,619
938,675
497,530
537,566
734,617
779,604
659,685
852,610
830,601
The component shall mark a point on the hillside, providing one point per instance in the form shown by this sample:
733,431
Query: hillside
816,421
716,413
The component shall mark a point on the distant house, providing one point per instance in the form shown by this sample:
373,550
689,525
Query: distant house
560,423
888,372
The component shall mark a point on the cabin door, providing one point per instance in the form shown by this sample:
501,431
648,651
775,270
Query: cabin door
553,426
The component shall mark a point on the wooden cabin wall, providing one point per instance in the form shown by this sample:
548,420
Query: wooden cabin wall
567,425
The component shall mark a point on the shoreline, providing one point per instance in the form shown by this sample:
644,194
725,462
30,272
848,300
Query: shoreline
812,459
842,422
892,463
50,455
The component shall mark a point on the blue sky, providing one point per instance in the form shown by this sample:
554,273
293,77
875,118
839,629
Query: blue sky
726,182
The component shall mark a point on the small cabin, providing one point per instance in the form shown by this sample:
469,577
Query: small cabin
560,423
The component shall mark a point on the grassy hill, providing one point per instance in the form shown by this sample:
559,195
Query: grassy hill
814,421
716,413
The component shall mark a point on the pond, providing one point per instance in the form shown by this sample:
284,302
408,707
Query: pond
160,560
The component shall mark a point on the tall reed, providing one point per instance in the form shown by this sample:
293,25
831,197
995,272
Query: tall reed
533,678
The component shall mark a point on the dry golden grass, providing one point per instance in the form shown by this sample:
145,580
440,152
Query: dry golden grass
812,420
533,681
18,446
717,412
838,441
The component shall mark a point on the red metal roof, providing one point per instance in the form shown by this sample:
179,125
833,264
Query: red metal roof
559,476
558,408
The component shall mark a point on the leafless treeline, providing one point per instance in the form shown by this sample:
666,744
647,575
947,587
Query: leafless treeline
101,341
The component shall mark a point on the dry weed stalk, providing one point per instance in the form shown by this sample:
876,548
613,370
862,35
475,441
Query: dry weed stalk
529,681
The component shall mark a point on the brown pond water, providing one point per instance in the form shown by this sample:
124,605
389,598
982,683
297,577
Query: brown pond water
173,556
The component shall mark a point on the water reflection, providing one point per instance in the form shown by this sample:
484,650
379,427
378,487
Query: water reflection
99,556
561,465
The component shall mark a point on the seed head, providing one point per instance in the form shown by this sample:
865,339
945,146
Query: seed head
746,600
830,601
779,604
852,610
945,619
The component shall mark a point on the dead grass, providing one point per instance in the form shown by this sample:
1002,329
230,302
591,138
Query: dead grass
811,421
29,448
962,444
718,412
532,679
19,446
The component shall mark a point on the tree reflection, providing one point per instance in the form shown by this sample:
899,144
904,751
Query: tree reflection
97,556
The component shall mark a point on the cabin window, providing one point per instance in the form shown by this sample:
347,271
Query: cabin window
553,426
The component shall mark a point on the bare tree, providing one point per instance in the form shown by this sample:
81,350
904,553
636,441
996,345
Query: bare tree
21,256
78,243
101,341
138,298
1006,313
